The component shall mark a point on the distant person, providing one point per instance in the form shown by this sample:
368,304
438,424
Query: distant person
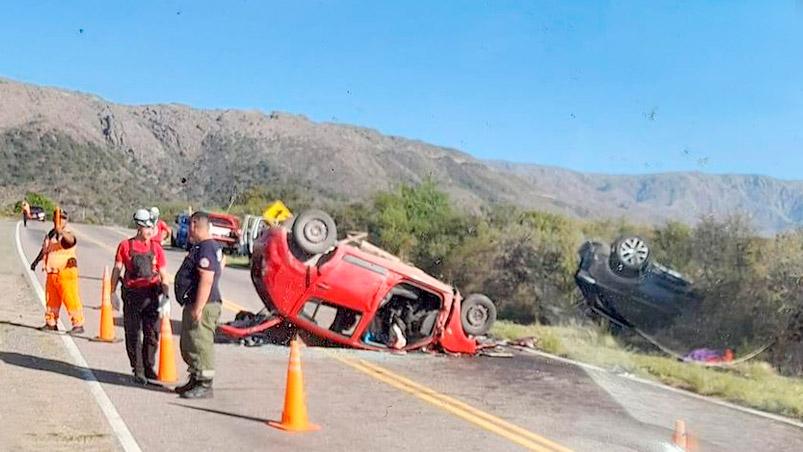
145,295
196,286
61,286
26,212
162,229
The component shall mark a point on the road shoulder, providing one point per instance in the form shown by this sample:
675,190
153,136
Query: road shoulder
46,405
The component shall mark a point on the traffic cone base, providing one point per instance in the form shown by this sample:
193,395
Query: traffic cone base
167,354
294,415
290,428
679,438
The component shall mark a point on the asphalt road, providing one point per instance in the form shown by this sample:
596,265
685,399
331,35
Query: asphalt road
374,401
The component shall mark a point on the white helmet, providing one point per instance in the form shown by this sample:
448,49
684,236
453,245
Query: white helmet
154,213
143,218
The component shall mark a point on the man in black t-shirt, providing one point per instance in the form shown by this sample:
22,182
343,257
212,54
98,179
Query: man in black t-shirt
196,286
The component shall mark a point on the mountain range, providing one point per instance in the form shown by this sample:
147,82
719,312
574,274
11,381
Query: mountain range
105,158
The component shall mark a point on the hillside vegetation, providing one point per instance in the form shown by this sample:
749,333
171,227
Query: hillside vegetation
525,261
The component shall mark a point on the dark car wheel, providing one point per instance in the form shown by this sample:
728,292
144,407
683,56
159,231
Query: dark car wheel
630,253
314,231
478,314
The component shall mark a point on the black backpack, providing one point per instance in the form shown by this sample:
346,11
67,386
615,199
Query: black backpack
185,283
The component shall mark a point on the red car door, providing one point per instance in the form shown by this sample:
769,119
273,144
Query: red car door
346,281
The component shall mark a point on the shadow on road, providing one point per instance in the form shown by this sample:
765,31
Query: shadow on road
36,328
20,325
118,321
71,370
222,413
93,278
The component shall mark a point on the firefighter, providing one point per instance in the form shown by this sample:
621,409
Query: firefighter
196,286
145,295
162,229
61,264
26,212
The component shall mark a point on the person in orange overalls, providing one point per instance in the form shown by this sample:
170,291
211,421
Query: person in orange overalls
61,265
26,212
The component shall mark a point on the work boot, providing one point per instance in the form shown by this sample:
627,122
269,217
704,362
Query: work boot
47,327
151,375
201,390
76,330
139,378
186,386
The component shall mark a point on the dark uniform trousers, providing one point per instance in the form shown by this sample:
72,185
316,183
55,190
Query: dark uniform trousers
141,314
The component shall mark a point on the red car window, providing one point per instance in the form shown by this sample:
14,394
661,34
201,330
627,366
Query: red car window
338,319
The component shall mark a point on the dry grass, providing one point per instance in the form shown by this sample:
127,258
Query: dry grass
754,384
238,261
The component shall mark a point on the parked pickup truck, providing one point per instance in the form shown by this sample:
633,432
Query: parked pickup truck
225,229
252,226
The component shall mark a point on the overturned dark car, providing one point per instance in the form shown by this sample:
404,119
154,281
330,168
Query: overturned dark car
622,283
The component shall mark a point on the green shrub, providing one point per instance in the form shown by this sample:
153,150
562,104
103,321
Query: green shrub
35,199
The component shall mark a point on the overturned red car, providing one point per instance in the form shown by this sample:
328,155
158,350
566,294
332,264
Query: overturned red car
353,294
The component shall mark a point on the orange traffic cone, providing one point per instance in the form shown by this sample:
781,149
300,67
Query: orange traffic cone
679,438
294,416
167,355
106,316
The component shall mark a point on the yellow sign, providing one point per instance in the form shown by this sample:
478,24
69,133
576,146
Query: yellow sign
276,212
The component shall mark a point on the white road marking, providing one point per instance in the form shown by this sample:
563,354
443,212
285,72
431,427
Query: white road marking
764,414
116,422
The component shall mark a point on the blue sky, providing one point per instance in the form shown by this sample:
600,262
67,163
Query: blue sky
617,87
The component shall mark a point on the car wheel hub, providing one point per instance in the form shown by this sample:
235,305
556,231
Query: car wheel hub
633,251
477,315
315,231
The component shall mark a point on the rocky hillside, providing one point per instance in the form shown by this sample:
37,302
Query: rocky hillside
111,157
